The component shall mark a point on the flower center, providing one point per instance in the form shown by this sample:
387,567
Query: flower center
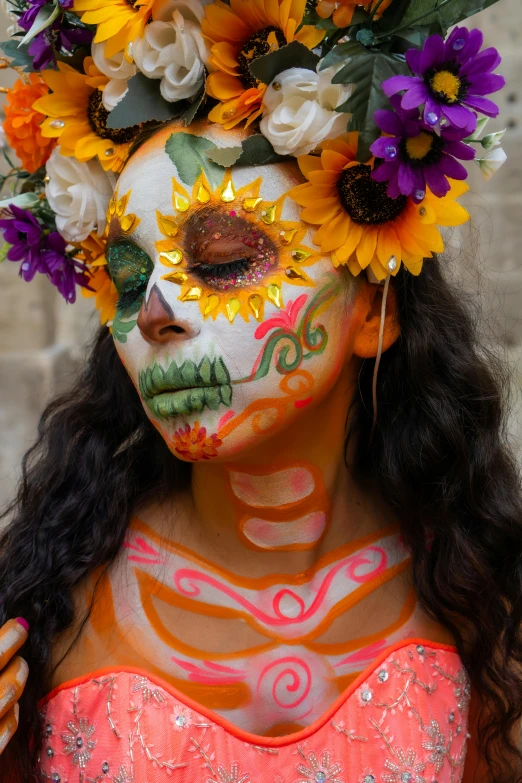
446,85
365,200
423,150
260,43
97,116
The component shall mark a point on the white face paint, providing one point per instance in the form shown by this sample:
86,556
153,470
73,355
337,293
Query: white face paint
231,352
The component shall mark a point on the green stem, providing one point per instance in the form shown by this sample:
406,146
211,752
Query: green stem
374,11
413,22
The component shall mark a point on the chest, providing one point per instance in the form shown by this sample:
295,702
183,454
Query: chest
270,654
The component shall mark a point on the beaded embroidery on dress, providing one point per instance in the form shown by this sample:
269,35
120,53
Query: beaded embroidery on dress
404,720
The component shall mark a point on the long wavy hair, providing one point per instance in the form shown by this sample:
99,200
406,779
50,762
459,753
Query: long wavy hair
439,454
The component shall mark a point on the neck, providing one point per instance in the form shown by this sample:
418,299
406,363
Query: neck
292,498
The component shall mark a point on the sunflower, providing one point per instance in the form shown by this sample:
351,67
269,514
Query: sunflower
271,247
75,115
240,33
360,224
343,10
101,287
22,122
118,22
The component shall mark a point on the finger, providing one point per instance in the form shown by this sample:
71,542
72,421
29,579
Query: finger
8,726
12,635
12,681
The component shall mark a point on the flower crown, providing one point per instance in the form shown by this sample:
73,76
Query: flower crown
375,100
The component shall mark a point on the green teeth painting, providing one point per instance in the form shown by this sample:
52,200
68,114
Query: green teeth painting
187,388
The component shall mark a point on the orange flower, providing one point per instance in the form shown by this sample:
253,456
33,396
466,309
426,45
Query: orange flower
22,123
240,33
92,251
343,10
194,444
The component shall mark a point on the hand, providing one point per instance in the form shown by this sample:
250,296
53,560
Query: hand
13,676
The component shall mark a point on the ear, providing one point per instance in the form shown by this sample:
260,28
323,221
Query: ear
369,304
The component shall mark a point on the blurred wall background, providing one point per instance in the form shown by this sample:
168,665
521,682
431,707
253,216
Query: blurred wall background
42,339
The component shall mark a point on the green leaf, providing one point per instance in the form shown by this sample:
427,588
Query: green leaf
4,249
23,200
189,154
255,150
341,53
225,156
444,12
44,18
19,54
367,71
189,114
143,102
293,55
120,329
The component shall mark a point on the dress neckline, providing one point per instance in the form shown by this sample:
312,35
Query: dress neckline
230,728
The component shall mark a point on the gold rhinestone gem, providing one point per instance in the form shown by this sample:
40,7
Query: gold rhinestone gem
181,203
128,223
176,277
109,152
251,204
171,258
268,215
273,292
276,86
255,302
167,225
422,211
233,307
294,274
300,255
211,304
228,194
203,196
192,294
288,236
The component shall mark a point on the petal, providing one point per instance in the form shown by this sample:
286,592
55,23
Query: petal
397,83
337,233
379,147
388,244
432,54
354,235
459,115
323,210
385,171
413,60
473,45
486,83
406,180
483,105
483,63
437,182
388,122
452,168
333,161
459,150
415,97
366,246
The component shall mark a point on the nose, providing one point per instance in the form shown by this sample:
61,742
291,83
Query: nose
158,323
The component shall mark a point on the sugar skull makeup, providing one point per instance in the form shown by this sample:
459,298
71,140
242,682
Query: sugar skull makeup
229,321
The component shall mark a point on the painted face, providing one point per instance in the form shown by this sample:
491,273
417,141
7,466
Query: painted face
229,321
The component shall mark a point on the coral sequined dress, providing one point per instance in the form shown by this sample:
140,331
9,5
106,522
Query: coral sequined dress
403,720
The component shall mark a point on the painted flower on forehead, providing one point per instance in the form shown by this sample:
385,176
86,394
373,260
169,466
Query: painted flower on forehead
76,116
451,79
230,250
118,22
22,123
240,33
360,224
342,11
415,157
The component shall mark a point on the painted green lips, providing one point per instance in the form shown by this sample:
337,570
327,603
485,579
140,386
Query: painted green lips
187,388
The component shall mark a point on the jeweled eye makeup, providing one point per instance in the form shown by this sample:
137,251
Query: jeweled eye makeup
224,250
130,268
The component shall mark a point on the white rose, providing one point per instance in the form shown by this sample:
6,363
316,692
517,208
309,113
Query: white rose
172,49
299,110
79,194
118,69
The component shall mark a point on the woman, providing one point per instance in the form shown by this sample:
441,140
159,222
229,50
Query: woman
274,531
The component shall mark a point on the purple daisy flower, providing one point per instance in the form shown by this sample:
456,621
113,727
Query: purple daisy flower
58,37
40,251
414,156
451,79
